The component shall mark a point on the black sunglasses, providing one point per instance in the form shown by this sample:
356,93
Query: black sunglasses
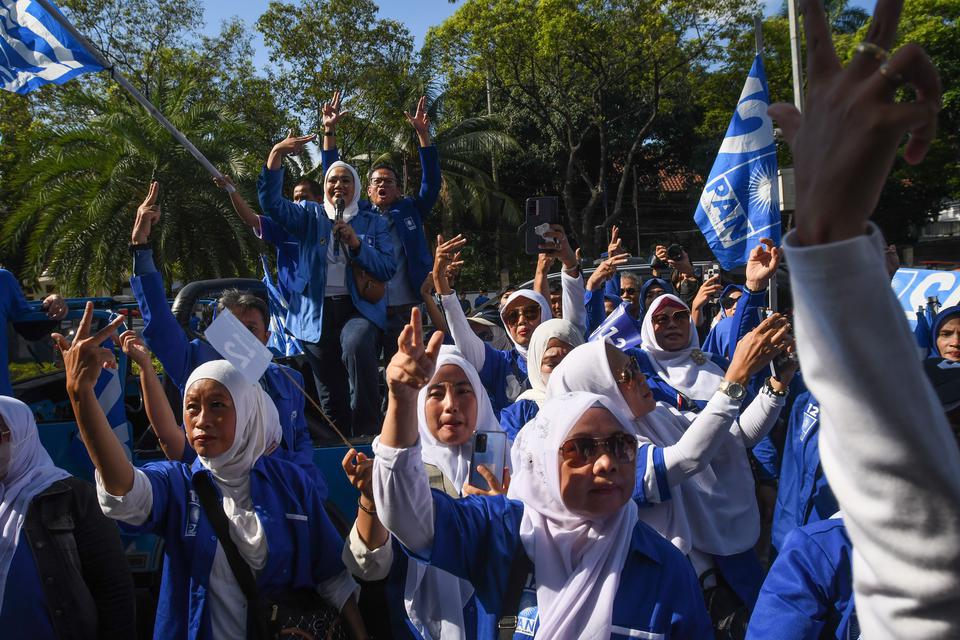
629,291
580,451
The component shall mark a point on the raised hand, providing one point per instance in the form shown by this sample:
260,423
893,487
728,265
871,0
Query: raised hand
148,214
135,349
606,270
759,347
710,288
292,145
413,365
845,141
615,246
560,248
85,357
762,264
331,113
224,182
359,470
420,121
497,488
446,256
55,306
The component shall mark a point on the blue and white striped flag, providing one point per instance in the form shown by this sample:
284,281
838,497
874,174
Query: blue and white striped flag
35,50
740,203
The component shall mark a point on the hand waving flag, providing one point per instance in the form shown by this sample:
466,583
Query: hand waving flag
35,50
740,203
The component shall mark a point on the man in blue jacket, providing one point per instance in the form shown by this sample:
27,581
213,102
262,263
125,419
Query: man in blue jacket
180,356
340,330
405,216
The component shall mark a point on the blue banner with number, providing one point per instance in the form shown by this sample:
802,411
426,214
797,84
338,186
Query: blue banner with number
741,202
619,328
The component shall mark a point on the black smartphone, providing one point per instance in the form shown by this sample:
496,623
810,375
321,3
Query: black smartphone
541,212
675,252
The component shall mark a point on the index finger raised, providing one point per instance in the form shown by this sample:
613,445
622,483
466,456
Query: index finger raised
152,194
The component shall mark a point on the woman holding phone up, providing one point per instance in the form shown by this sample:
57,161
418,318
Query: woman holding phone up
452,409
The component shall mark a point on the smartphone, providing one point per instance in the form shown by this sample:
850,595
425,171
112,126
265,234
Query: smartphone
490,450
541,212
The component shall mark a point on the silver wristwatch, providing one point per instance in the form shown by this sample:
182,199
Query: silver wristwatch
734,390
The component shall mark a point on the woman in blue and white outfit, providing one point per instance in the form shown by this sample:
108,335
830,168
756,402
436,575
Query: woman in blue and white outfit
550,344
276,518
424,601
598,571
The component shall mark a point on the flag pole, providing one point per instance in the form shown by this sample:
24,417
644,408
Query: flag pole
123,82
758,44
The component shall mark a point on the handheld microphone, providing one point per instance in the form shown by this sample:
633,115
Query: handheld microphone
339,216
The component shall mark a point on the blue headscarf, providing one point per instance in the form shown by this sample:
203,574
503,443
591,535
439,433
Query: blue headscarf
938,322
649,284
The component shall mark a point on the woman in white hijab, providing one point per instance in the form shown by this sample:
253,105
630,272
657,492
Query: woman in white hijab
451,409
276,519
550,344
598,570
694,479
62,568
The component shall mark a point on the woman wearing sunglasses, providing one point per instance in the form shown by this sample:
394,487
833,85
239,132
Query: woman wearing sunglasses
504,372
597,571
693,479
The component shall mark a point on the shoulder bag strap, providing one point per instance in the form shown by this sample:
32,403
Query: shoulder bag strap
520,567
218,519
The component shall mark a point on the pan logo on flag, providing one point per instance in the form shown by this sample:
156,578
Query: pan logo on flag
727,217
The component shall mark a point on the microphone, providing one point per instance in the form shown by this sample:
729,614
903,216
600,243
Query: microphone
339,216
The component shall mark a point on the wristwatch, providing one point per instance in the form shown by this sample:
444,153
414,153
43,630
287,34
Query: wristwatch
734,390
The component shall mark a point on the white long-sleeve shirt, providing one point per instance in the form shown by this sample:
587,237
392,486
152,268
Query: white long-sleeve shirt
885,444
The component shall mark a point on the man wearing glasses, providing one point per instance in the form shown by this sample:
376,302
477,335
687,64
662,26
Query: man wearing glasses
404,213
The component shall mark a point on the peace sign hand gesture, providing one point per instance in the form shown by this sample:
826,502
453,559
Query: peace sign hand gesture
420,121
148,214
413,365
331,113
85,358
845,141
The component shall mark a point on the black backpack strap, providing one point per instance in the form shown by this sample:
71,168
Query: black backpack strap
212,506
520,567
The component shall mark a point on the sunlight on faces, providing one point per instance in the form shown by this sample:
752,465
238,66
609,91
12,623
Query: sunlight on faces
383,189
303,192
340,184
631,382
556,304
948,339
253,320
554,354
451,406
671,334
602,486
630,289
527,319
209,418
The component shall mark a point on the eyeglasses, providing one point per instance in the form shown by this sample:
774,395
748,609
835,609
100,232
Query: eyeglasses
629,291
529,314
581,451
681,316
630,372
383,181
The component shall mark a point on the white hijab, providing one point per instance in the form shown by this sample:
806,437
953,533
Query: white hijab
586,368
533,296
578,561
434,599
677,368
257,432
350,208
30,472
454,462
562,330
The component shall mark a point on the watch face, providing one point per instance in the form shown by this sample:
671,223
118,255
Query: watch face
734,389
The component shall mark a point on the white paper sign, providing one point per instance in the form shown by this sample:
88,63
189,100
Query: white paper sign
238,346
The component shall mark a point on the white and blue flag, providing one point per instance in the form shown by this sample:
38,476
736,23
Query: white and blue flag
740,203
36,50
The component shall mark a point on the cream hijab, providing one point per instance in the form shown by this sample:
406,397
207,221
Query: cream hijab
678,368
257,432
586,369
351,208
30,472
529,294
578,561
562,330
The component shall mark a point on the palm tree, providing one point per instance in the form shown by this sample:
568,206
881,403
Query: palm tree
85,179
844,19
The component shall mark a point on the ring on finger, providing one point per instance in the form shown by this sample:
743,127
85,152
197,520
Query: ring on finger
875,50
894,78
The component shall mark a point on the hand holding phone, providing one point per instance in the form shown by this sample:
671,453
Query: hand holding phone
490,451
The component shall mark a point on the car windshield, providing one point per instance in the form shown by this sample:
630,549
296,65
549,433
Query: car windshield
30,349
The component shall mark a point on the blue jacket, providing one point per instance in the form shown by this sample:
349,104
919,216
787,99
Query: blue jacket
502,370
724,337
808,594
409,212
290,279
180,357
514,416
476,538
304,548
308,222
596,313
12,306
803,496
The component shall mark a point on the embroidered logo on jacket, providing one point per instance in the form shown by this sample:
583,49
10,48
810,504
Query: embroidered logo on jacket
811,416
193,515
411,225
